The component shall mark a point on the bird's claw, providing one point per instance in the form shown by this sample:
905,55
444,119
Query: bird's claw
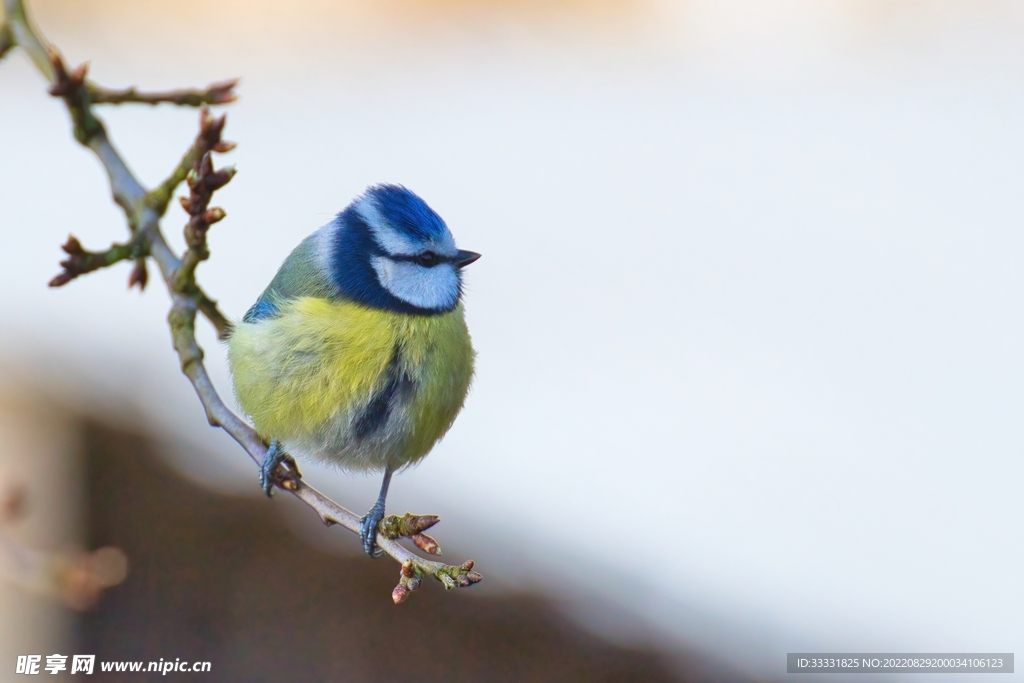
271,471
368,531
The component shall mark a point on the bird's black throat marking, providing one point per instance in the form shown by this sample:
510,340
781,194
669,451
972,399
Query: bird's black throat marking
398,387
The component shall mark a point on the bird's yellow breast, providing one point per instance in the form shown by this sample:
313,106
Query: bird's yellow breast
310,375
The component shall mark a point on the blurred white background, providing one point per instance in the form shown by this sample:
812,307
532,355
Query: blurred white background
748,315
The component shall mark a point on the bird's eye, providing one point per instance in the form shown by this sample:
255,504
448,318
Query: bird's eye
428,259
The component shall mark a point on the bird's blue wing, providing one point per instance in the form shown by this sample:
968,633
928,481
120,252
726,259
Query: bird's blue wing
300,275
263,309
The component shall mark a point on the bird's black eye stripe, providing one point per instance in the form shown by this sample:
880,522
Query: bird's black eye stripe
428,259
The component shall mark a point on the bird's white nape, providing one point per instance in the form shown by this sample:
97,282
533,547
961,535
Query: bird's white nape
435,288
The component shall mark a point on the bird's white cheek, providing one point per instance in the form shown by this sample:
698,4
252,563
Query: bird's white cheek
436,287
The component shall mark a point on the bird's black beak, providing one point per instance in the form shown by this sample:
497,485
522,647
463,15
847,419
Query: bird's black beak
464,258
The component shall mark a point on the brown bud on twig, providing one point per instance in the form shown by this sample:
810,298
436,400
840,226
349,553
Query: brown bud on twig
139,275
214,215
60,279
426,544
408,581
77,77
408,524
468,579
61,83
72,247
203,180
218,179
420,523
222,92
205,165
458,576
80,261
72,266
65,84
71,88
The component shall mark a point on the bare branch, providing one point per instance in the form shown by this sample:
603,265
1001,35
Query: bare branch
203,181
143,211
89,130
27,36
208,307
215,93
71,87
206,141
80,261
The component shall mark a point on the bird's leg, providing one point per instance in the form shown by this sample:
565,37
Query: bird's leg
270,473
371,520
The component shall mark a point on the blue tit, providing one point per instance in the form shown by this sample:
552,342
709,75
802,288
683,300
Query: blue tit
357,354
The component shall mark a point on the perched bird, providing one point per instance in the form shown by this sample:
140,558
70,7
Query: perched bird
357,353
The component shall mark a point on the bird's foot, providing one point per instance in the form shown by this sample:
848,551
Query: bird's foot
278,468
368,530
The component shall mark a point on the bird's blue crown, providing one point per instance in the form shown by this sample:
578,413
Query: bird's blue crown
392,251
405,212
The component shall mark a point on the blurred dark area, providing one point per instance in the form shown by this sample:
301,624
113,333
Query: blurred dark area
223,579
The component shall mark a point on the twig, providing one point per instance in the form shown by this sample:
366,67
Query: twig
208,307
216,93
143,210
80,261
207,141
203,181
23,33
